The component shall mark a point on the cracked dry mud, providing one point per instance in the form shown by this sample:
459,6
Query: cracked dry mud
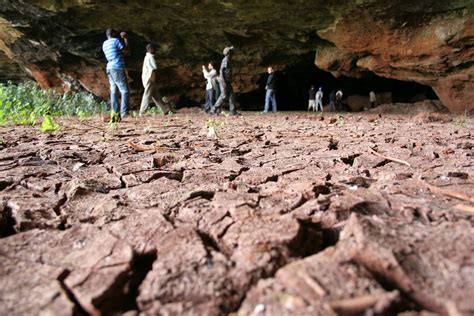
288,214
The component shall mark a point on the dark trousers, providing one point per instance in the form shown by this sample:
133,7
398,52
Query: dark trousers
338,105
227,94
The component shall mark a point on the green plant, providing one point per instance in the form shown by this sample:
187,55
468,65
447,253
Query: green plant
148,130
156,110
26,103
340,120
462,121
114,120
49,125
213,127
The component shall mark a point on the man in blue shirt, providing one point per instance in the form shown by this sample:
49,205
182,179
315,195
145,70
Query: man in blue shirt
114,51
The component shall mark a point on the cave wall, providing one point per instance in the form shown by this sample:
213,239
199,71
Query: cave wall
58,42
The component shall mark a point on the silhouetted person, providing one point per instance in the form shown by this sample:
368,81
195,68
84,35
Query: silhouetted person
373,99
319,99
270,96
339,96
114,50
210,75
332,99
225,82
312,99
150,84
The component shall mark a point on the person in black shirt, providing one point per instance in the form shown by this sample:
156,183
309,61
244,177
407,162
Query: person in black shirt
332,99
312,99
270,95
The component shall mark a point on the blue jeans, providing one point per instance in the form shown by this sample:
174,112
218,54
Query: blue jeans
210,100
118,82
270,97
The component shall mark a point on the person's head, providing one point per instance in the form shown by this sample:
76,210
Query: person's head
312,87
270,69
110,33
150,48
228,51
210,65
320,88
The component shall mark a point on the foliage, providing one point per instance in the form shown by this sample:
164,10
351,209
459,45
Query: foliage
114,120
214,123
213,126
462,121
340,120
49,125
156,110
26,103
148,130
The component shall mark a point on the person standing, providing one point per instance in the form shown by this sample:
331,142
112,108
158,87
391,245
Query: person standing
319,99
210,75
332,98
312,99
149,83
270,94
339,96
225,83
373,99
114,51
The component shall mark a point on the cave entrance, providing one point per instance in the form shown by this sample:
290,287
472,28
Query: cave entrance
295,81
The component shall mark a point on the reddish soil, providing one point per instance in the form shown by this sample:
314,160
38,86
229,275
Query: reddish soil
288,214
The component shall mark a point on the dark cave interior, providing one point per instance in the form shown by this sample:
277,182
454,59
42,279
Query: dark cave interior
295,81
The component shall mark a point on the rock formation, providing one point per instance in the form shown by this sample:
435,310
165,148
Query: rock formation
430,42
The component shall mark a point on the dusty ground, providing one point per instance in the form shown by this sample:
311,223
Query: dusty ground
283,214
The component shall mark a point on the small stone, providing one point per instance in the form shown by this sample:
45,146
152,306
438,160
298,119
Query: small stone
260,308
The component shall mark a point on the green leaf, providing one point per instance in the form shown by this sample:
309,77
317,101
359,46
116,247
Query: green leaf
49,125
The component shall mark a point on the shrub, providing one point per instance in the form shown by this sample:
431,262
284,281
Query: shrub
25,103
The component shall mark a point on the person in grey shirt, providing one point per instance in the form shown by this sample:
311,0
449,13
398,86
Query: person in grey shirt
225,82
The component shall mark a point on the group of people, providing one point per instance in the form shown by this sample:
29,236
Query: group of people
218,84
316,100
335,100
114,51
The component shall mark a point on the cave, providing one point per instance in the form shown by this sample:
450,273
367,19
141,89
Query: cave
192,213
416,51
295,80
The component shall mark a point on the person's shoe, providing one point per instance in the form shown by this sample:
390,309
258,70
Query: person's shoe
235,113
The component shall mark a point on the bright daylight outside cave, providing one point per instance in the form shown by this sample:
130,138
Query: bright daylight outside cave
236,157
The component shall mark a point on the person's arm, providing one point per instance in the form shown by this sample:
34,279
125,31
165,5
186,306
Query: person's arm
153,63
205,72
126,48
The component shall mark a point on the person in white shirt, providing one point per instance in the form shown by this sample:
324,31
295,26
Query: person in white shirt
211,76
373,99
319,99
149,82
339,96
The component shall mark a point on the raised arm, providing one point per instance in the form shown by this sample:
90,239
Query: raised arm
126,48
